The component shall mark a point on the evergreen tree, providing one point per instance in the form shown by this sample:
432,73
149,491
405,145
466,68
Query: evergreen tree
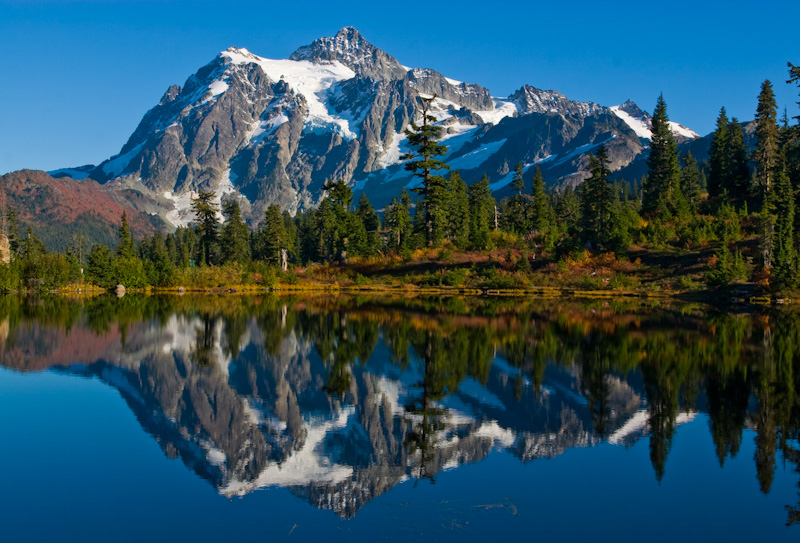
458,211
424,139
690,181
161,262
719,158
541,215
784,251
595,197
661,192
205,211
517,182
397,219
371,226
794,77
339,193
568,210
481,213
126,248
31,248
272,238
766,154
517,210
291,235
99,266
738,180
235,237
12,230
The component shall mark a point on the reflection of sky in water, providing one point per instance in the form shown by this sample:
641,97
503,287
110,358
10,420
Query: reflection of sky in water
94,474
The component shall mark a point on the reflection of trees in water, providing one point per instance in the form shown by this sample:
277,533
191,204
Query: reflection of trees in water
716,362
204,347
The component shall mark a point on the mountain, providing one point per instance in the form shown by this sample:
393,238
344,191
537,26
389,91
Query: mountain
273,131
59,208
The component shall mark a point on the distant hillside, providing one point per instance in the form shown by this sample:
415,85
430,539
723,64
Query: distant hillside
57,209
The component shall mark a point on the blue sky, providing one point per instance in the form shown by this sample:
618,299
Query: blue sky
78,76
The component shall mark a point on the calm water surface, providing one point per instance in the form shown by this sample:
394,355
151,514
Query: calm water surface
259,419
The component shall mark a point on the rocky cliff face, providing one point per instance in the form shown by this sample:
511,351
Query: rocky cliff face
273,131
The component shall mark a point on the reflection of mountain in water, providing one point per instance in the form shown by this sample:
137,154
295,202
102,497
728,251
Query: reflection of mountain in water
341,406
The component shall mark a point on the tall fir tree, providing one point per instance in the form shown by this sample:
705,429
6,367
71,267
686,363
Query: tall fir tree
271,237
12,230
162,266
339,193
481,214
541,208
458,210
126,247
768,135
690,181
663,179
397,218
423,161
595,196
235,237
738,180
372,225
205,211
517,216
784,250
718,158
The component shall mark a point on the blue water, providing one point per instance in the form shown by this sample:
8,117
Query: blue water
76,466
136,428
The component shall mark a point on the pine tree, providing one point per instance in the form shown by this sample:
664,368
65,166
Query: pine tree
481,213
784,252
690,181
595,196
424,139
738,180
719,158
458,211
371,224
517,216
272,237
339,193
541,209
794,77
568,210
126,247
99,268
517,182
397,219
205,211
12,230
766,154
235,237
663,179
159,256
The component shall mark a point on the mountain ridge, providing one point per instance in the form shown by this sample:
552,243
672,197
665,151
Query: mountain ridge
273,131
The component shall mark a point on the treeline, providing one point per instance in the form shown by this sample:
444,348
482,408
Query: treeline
679,206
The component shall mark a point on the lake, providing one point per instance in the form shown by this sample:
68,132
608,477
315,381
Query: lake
223,418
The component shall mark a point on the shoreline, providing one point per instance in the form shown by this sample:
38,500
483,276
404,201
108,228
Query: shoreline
563,293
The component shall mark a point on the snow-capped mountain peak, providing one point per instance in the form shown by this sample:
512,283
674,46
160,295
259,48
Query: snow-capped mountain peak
641,122
273,131
350,48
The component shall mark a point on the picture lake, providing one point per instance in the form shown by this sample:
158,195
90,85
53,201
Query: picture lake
233,418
